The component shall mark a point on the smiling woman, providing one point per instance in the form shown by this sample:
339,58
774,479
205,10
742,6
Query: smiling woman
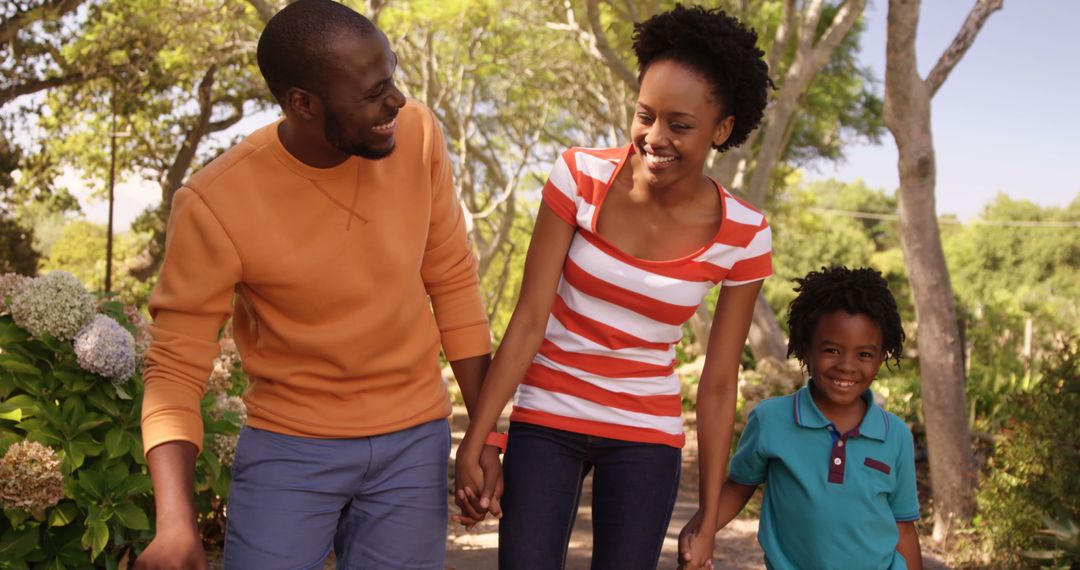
626,245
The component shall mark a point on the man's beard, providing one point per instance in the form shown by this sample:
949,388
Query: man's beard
337,138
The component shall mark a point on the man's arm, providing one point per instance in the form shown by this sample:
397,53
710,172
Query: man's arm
177,543
192,299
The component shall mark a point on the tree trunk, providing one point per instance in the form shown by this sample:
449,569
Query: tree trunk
907,115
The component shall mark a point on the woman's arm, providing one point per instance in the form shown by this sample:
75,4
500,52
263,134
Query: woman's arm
543,267
717,393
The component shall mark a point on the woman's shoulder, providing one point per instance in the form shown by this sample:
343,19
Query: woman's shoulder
740,210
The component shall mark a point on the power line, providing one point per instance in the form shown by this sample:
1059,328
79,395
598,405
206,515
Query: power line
975,222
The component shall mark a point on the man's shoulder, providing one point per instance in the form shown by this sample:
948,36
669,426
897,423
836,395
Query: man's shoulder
236,157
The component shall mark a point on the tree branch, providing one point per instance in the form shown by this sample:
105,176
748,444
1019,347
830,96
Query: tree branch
592,12
175,175
960,44
51,9
8,94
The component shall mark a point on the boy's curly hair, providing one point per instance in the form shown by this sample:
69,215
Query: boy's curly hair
718,47
857,291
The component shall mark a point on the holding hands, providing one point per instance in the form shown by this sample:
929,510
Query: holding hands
695,546
478,483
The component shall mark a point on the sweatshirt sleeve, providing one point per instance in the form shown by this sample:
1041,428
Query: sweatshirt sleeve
191,301
449,269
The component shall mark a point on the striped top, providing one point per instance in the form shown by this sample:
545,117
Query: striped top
607,363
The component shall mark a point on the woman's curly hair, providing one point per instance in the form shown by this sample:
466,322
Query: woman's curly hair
718,47
859,291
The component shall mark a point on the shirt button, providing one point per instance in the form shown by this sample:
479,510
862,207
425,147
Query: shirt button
837,461
840,443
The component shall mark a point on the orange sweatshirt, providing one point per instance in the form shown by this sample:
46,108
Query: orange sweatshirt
331,271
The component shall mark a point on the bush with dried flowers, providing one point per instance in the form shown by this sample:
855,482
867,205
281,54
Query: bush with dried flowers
74,487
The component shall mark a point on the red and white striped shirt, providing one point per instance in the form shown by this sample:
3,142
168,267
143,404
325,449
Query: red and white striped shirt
607,363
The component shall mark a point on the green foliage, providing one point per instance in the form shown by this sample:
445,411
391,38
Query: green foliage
1035,469
93,424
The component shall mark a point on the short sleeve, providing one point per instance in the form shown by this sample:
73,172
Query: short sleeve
755,262
560,192
904,500
748,465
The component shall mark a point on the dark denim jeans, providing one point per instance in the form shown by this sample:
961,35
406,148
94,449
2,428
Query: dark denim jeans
634,490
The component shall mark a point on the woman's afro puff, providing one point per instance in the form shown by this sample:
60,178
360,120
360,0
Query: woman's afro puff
718,47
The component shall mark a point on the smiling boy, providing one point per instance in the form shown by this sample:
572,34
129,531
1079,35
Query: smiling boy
839,471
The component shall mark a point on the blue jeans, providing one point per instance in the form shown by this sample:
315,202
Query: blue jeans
379,501
634,491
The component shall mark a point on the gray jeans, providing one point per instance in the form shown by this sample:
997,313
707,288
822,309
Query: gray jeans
379,501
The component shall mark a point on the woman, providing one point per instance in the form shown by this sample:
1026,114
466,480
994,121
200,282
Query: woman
626,245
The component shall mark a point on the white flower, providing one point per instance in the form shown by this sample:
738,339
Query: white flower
106,348
55,304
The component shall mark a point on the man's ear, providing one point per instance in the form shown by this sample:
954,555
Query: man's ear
302,104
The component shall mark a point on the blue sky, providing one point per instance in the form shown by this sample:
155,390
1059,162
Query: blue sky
1006,118
1004,121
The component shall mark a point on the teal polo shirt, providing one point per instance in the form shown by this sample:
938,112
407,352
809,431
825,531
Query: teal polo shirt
832,500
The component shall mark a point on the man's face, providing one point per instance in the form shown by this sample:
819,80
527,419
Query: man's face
360,99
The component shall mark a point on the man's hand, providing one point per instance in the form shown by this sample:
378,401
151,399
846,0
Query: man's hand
176,549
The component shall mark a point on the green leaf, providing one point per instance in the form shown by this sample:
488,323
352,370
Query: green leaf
89,425
135,484
8,412
121,392
95,538
11,333
116,476
18,365
63,514
115,443
93,483
132,516
15,544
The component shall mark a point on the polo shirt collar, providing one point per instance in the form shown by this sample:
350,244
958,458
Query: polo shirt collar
875,424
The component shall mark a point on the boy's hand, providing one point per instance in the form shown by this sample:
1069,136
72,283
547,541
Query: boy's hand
695,549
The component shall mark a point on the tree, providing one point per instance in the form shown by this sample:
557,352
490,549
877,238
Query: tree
172,72
907,115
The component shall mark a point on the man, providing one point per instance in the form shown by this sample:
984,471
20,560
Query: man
332,227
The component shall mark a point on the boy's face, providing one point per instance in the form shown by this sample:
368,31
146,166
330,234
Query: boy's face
845,356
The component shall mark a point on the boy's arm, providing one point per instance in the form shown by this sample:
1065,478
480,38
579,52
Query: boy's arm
733,498
908,545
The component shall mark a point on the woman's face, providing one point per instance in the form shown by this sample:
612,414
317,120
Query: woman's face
677,121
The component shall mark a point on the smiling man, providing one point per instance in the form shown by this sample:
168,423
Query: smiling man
334,239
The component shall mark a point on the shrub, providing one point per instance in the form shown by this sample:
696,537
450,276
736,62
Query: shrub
1035,469
74,486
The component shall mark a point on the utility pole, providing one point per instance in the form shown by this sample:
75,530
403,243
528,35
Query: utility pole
113,135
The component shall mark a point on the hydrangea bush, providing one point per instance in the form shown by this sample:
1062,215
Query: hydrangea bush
74,487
